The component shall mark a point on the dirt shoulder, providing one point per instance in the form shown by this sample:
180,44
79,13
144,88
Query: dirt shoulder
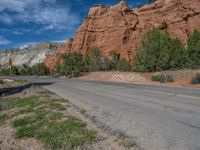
40,120
7,83
182,78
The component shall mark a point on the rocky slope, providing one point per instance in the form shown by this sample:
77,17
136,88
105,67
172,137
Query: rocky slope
121,28
30,55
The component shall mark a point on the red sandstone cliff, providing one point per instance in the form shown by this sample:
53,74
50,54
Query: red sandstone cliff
53,60
121,28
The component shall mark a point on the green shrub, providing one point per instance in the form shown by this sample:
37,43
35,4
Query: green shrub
13,70
160,78
159,52
39,69
25,70
105,64
5,72
123,65
93,59
115,59
1,82
169,78
163,78
72,64
193,50
196,79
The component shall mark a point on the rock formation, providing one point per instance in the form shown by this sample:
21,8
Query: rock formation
55,59
30,55
121,28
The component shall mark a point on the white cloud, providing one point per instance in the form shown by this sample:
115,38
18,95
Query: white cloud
12,31
4,41
16,5
50,17
6,18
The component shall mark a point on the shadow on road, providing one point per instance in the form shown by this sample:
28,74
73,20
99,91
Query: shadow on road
18,89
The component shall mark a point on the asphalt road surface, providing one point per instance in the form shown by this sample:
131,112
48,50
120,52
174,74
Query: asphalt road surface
159,118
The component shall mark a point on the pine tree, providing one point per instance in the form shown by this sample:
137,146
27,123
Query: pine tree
193,49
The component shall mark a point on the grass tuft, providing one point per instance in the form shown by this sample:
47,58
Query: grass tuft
47,122
19,102
129,144
126,142
25,111
27,131
121,136
69,134
83,111
55,115
56,106
3,118
21,122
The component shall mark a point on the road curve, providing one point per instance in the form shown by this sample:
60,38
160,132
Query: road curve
159,118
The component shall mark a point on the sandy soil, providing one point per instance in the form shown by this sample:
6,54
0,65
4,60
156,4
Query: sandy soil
116,76
182,77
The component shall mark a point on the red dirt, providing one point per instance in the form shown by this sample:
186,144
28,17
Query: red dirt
182,77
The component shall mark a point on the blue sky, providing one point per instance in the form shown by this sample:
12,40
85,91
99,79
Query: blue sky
24,22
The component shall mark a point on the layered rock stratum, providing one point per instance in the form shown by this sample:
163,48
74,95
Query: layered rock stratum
121,28
30,55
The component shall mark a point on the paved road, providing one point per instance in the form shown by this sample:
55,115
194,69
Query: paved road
159,118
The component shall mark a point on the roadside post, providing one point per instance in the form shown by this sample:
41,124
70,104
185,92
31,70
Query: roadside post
10,64
0,63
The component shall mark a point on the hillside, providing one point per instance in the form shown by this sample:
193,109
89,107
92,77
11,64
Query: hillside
30,55
121,28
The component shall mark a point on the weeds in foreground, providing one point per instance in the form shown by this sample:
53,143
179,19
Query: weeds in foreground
126,142
83,111
163,78
2,119
44,120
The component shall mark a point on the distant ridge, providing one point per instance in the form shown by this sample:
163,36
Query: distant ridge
30,55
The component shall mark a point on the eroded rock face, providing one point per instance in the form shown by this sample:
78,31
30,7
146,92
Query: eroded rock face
121,28
55,59
107,28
